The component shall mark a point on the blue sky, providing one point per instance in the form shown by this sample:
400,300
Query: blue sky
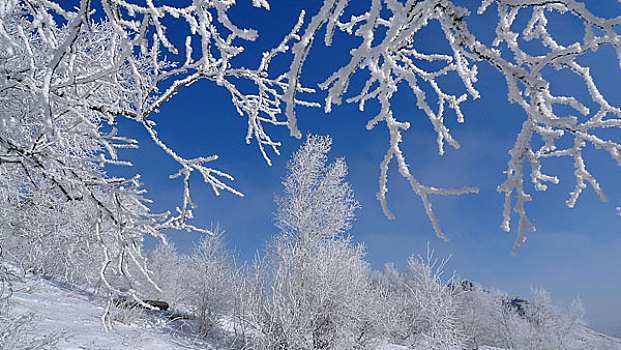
575,252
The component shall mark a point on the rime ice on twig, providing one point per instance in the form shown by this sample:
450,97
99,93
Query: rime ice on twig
392,62
529,88
389,63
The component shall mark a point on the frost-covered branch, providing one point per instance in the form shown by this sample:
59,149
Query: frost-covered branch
388,54
530,88
68,73
391,62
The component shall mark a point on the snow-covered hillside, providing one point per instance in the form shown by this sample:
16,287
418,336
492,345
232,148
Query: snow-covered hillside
71,319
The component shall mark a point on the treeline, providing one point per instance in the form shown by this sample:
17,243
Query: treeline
323,295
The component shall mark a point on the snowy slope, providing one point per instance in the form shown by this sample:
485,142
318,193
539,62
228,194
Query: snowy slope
77,317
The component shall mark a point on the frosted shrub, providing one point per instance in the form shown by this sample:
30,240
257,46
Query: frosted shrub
170,271
422,310
209,287
493,318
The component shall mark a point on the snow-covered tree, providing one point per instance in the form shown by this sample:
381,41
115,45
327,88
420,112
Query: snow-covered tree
551,326
492,318
211,278
317,200
51,150
319,296
475,307
56,244
313,288
170,272
67,73
422,311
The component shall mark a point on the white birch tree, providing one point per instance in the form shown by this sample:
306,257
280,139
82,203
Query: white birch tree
313,289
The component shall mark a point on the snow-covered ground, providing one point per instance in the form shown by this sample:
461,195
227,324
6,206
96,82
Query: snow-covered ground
76,316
